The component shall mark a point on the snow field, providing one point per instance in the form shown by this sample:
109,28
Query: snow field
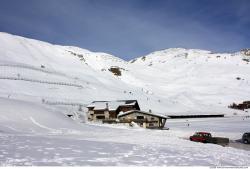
41,83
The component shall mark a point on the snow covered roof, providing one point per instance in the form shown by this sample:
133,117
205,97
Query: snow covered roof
143,112
112,105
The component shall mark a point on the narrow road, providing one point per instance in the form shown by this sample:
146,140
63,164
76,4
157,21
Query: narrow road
237,144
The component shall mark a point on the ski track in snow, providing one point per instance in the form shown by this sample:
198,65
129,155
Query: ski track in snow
40,125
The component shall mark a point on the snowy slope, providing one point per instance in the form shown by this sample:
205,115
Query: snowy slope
41,82
168,82
45,71
191,80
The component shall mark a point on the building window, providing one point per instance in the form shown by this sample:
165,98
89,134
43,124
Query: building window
152,118
99,113
100,117
151,124
140,117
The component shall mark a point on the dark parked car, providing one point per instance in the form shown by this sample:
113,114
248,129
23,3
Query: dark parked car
246,138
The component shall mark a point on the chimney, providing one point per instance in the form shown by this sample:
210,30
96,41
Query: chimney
107,106
150,111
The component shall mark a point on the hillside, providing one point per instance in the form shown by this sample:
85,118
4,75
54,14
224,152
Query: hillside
195,79
168,82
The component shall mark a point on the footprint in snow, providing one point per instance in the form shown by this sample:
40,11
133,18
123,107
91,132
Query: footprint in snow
49,148
77,151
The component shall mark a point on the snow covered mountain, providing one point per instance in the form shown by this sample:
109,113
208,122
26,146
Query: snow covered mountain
41,82
170,81
196,79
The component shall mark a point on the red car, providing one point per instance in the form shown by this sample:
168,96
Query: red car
203,137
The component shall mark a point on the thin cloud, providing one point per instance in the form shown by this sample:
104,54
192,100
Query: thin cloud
131,28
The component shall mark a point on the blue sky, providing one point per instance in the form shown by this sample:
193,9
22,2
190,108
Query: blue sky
131,28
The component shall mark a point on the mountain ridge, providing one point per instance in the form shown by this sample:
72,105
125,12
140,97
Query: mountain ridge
77,48
170,81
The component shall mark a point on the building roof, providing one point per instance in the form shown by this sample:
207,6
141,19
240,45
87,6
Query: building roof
143,112
112,105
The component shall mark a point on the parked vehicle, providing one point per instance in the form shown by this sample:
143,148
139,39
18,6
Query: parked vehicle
201,137
205,137
246,138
